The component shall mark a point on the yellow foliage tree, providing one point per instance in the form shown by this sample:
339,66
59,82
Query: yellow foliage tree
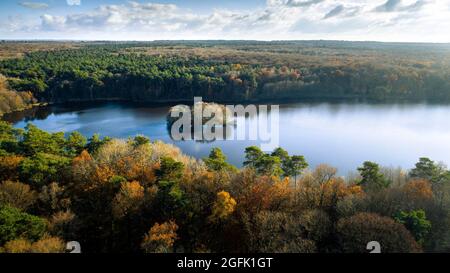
45,245
16,194
223,207
17,246
9,167
128,199
160,238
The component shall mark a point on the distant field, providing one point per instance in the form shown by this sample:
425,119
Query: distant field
11,50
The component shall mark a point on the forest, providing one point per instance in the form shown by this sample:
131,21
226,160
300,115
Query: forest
143,196
221,71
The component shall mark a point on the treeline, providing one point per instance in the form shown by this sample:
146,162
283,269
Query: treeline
136,196
11,100
135,72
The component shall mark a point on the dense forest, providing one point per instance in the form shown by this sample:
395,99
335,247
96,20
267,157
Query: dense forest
225,71
139,195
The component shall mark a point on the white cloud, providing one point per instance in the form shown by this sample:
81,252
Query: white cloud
386,20
34,5
73,2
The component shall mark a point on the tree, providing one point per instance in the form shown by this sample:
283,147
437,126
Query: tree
294,166
281,154
9,167
9,138
217,161
269,165
15,224
140,140
17,246
42,168
16,194
48,245
357,231
95,142
223,207
45,245
437,174
160,238
169,170
416,222
372,179
170,197
128,199
252,156
277,232
75,144
425,169
37,141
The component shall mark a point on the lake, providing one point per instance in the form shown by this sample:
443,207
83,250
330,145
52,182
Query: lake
343,135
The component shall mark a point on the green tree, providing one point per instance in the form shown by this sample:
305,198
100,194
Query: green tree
95,142
140,140
252,155
416,222
372,178
9,138
425,169
42,169
15,224
38,141
295,166
170,197
269,165
169,170
281,154
75,144
217,161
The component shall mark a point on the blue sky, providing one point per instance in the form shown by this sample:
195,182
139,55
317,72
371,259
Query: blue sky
380,20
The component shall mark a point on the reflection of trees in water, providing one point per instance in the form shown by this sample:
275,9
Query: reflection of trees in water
28,115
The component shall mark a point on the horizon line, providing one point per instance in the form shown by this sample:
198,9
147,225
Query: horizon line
217,40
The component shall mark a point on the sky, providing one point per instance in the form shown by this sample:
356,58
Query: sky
356,20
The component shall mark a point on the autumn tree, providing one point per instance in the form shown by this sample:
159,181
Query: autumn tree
128,199
16,194
160,238
9,167
357,231
277,232
223,207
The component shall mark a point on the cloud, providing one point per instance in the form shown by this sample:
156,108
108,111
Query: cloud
34,5
389,6
334,12
52,23
277,20
415,6
73,2
396,6
302,3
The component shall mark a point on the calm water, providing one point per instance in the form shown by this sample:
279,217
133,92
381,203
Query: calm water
341,134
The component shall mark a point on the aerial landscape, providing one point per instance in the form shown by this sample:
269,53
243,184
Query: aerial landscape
325,133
